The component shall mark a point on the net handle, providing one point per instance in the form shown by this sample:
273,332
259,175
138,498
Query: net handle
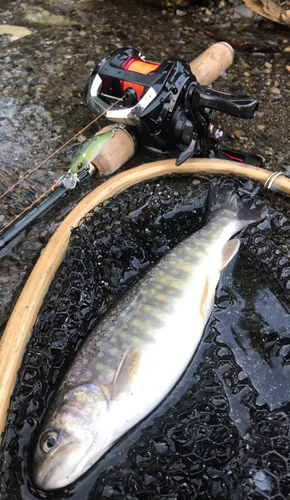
17,332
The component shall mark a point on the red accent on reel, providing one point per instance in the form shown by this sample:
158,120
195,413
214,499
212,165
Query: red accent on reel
232,157
138,66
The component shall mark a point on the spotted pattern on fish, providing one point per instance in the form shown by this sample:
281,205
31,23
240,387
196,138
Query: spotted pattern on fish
135,355
139,322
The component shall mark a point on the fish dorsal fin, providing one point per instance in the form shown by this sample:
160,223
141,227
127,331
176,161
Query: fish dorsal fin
229,251
125,372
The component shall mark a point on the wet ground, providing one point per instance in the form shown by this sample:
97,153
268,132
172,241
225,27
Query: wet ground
42,95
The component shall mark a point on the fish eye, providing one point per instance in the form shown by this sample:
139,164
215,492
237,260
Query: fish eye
48,440
79,166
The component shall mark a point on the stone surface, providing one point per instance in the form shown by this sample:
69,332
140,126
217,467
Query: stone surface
239,133
274,91
15,32
39,15
244,11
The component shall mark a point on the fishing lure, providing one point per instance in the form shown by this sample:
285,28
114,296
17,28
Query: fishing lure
90,150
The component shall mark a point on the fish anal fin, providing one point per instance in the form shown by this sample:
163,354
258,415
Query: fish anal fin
229,251
125,372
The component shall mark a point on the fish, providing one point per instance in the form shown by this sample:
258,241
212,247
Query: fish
138,352
90,150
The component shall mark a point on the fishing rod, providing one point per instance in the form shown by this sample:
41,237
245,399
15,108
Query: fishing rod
163,106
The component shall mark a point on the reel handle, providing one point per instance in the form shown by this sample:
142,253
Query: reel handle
241,106
211,63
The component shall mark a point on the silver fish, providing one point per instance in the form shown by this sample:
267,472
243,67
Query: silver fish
135,356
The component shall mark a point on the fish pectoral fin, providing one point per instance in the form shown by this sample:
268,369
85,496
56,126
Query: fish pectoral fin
106,391
125,372
207,297
229,251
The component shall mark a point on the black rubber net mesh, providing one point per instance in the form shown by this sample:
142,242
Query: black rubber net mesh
224,431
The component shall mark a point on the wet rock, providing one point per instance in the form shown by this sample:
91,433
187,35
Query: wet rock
229,78
274,91
90,64
255,72
42,16
177,4
81,138
243,11
239,133
15,32
283,157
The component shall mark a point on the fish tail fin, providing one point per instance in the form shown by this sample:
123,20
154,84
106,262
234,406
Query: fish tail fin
223,197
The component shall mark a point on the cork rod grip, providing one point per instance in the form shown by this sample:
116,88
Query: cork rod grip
212,62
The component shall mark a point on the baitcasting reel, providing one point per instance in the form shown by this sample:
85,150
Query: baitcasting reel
163,101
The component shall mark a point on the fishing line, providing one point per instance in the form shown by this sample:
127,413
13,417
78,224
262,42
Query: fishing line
48,158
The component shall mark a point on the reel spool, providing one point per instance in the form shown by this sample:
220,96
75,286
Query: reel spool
140,66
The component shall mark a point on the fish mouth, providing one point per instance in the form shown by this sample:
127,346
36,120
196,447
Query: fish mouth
59,472
61,469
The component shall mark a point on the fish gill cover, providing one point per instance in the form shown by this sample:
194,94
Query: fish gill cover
224,430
